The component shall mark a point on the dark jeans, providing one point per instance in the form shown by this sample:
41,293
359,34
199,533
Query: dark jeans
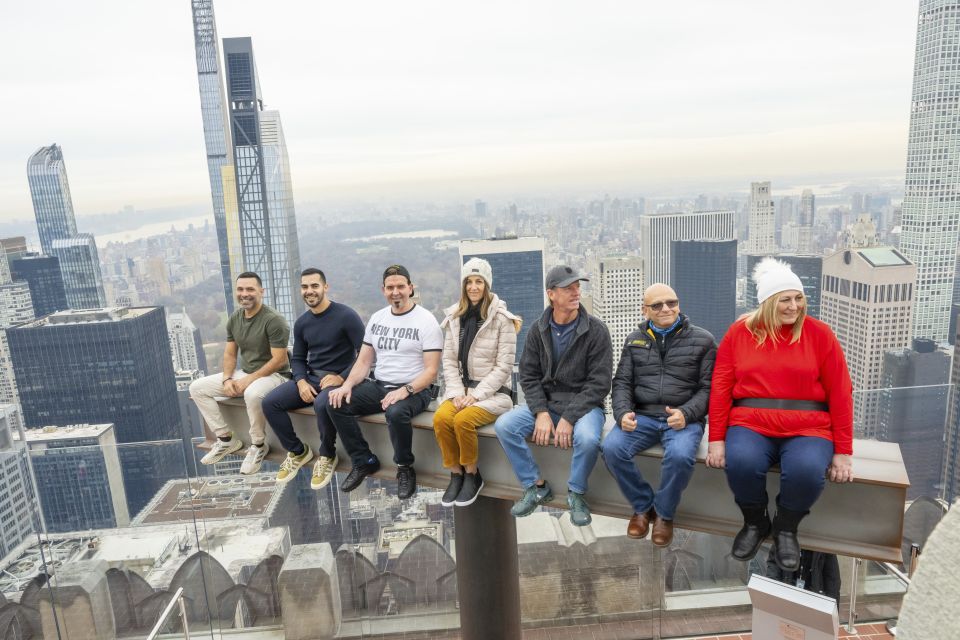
364,400
287,397
803,466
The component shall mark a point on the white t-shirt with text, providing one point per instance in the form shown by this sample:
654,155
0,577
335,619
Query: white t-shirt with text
400,341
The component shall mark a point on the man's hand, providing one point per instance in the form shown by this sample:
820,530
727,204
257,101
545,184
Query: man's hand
340,395
717,454
563,437
306,391
241,385
330,380
230,388
675,419
393,397
543,429
629,421
841,469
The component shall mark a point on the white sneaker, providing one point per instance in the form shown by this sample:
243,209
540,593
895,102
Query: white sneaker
220,449
323,471
254,458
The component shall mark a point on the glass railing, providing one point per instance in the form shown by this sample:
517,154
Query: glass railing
108,533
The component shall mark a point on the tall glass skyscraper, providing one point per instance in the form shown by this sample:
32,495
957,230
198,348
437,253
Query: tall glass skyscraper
57,226
931,203
268,226
216,132
50,190
80,266
118,365
704,275
517,265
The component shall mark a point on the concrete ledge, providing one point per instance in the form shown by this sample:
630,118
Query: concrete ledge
861,519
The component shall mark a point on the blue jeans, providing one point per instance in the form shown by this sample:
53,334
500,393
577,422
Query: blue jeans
515,426
679,457
803,466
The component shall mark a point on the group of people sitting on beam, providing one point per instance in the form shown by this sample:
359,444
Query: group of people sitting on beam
776,391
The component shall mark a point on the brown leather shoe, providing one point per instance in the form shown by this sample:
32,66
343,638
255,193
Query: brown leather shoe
639,524
662,532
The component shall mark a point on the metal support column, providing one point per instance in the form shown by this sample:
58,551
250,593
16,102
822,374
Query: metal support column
488,570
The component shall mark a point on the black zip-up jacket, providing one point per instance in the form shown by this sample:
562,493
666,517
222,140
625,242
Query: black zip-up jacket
679,377
582,376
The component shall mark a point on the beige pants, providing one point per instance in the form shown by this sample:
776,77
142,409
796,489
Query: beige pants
205,392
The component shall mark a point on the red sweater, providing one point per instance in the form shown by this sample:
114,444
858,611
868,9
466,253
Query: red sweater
811,369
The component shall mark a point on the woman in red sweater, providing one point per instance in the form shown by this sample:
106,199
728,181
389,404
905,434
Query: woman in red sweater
781,394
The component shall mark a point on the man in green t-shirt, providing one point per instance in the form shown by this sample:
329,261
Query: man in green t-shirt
260,335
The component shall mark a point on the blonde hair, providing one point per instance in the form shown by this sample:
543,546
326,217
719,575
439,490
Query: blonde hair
464,303
764,322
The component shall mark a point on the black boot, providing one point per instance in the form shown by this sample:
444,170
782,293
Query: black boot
756,527
786,545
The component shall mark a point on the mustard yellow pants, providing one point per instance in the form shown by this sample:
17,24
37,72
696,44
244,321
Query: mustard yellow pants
456,432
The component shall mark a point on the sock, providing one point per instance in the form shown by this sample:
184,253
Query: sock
225,438
299,452
259,446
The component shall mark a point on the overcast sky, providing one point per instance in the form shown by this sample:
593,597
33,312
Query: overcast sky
430,99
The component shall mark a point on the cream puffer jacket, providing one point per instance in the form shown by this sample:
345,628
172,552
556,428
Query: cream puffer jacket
490,361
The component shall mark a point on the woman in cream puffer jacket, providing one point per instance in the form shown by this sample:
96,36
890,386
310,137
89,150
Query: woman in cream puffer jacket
477,379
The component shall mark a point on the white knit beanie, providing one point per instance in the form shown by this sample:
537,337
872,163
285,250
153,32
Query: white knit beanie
477,267
773,276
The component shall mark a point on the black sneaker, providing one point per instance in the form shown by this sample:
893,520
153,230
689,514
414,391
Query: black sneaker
453,490
358,474
406,481
472,483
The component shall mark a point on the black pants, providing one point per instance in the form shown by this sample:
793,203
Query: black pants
287,397
364,400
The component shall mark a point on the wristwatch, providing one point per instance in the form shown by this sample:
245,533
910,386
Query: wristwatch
409,388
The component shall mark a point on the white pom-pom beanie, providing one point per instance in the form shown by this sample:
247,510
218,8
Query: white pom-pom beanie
773,276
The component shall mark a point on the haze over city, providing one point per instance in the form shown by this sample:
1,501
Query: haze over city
430,100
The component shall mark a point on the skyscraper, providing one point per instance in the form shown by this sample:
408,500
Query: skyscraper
15,307
807,268
45,280
57,226
50,191
119,368
867,299
617,289
950,472
80,266
268,227
216,133
16,494
760,238
704,275
931,208
77,475
517,265
659,230
186,347
913,409
805,220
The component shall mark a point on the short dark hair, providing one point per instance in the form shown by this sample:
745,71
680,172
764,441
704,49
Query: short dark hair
313,271
396,270
251,274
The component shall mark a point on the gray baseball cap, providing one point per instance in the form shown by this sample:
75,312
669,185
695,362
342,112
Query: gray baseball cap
562,276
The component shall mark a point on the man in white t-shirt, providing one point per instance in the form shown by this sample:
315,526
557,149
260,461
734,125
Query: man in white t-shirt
405,341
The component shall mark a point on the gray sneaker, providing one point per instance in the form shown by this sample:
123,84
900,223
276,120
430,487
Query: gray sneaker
532,498
579,510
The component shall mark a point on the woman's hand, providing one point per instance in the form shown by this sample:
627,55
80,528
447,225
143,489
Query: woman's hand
841,469
716,454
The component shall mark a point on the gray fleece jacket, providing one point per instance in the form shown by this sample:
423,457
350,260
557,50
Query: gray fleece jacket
581,377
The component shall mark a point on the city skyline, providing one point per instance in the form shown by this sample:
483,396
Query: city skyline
510,105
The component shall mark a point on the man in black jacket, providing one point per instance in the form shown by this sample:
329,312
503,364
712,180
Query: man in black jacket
565,375
660,396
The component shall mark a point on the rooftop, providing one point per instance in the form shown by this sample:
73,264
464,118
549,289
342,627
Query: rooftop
85,316
216,498
69,432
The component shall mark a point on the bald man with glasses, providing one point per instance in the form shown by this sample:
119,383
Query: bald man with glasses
661,392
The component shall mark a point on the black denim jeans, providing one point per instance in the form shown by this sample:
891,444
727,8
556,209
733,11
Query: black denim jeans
364,400
286,397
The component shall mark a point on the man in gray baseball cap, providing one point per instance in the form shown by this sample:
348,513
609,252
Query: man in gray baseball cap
565,373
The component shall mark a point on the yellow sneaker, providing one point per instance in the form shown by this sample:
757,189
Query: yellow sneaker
323,471
292,463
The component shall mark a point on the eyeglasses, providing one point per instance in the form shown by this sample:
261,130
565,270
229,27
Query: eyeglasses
657,306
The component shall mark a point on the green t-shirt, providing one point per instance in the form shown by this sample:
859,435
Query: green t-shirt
255,336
